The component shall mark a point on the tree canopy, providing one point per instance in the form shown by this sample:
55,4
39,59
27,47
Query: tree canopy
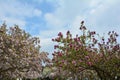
85,56
88,55
20,54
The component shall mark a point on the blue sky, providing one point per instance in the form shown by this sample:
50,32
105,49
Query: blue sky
45,18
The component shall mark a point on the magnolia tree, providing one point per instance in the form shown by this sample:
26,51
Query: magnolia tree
19,54
88,55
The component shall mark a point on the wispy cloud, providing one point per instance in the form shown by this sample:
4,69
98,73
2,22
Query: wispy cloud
45,18
16,12
99,15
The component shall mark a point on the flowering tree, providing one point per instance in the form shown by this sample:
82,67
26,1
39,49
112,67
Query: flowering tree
88,56
19,54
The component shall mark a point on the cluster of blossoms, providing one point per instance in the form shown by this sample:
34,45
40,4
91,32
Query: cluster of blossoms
19,54
86,52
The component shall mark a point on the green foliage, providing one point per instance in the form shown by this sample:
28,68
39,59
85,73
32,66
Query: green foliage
86,53
86,56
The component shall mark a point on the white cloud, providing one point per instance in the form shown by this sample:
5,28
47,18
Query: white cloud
38,1
11,21
37,12
52,20
95,3
99,15
15,12
67,11
46,44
